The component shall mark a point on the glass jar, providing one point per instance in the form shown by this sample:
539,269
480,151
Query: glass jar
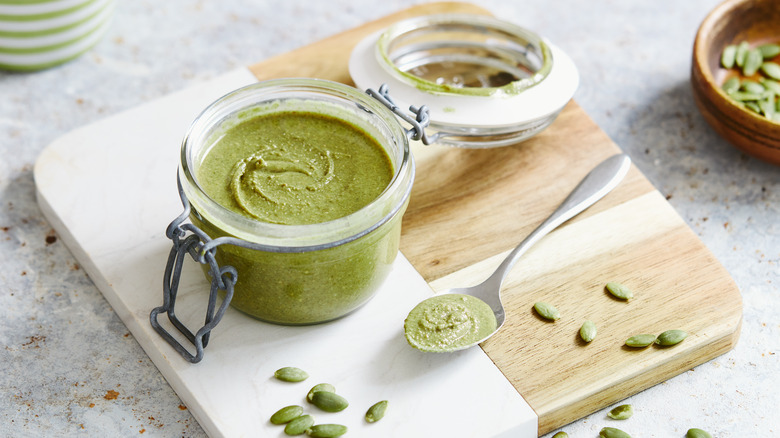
487,82
302,274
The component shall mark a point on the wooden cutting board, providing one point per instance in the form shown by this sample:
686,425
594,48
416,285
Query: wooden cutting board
470,207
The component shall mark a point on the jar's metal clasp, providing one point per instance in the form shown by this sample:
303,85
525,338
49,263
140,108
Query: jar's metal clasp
189,239
419,122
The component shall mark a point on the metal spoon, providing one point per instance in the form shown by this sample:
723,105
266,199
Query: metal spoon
600,181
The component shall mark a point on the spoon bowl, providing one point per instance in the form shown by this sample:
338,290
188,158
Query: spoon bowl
596,184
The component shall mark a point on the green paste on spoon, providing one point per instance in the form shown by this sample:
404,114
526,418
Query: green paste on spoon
449,322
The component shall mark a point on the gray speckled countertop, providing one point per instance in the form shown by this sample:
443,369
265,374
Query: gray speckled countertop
71,368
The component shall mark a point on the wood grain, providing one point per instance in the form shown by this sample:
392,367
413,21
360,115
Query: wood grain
328,58
470,204
641,243
469,207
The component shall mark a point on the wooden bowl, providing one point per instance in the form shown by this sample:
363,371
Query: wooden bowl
733,21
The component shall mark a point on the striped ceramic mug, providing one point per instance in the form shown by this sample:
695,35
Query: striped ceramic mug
38,34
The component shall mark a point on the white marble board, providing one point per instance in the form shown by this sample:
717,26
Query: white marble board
109,190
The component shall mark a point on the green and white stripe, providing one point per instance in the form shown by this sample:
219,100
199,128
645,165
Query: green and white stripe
26,2
55,37
21,27
42,11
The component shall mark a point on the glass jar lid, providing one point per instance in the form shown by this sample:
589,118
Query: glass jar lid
487,82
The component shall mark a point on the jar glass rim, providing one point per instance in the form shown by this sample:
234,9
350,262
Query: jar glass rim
298,238
466,23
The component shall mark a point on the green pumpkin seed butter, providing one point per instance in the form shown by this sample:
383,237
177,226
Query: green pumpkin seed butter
295,168
448,322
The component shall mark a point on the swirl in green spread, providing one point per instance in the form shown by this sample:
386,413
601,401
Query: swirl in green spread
277,179
295,168
449,322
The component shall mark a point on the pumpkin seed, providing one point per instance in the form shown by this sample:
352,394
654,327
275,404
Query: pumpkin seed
642,340
697,433
588,331
757,96
744,96
329,401
771,69
561,434
769,50
768,106
320,387
622,412
286,414
752,87
376,412
291,374
326,430
611,432
619,291
299,425
741,54
752,106
730,85
547,311
728,56
771,85
753,62
671,337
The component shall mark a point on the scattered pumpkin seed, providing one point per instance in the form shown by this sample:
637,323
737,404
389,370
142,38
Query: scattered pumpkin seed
771,69
640,341
611,432
769,51
547,311
671,337
588,331
697,433
320,387
728,56
753,62
561,434
619,291
326,430
291,374
376,412
286,414
739,57
731,85
622,412
299,425
329,401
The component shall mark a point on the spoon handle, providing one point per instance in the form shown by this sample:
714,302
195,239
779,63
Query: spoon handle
600,181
